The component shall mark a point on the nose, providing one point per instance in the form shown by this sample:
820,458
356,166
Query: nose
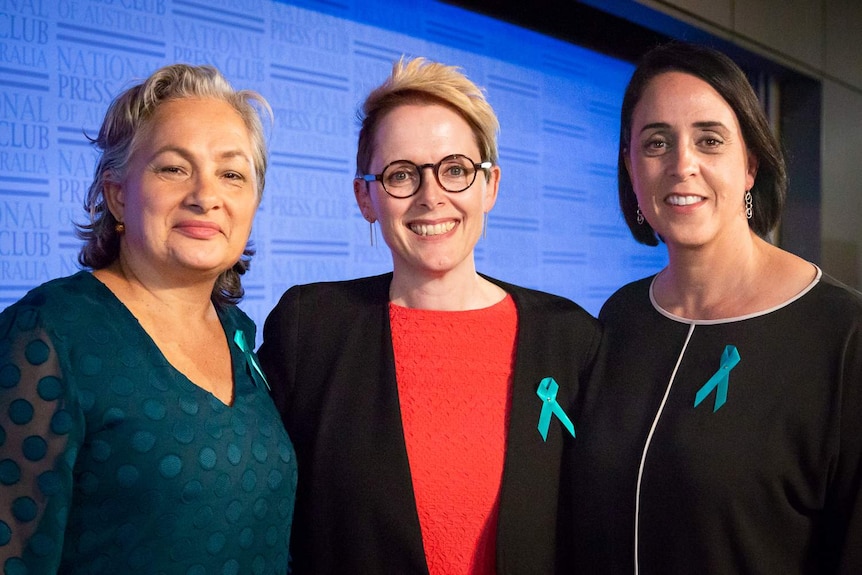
204,194
430,192
683,160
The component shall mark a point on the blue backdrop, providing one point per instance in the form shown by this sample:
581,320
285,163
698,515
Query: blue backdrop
556,224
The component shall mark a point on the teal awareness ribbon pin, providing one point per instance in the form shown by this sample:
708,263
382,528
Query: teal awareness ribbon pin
547,391
256,371
720,380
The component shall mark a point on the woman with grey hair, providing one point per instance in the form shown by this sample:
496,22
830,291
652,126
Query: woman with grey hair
136,429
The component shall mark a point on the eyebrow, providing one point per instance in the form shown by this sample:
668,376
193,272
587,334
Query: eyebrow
665,125
185,153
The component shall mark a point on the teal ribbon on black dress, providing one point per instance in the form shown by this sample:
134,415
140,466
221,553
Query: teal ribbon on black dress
253,366
547,391
720,380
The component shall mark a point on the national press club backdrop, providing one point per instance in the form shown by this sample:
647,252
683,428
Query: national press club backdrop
556,225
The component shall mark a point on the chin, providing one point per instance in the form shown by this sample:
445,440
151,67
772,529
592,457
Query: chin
206,265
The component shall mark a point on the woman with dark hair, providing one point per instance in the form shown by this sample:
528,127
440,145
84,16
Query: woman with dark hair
721,430
136,430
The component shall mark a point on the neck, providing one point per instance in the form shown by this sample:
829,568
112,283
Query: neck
158,295
711,282
450,291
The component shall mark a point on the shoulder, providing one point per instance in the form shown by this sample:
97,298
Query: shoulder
838,292
235,318
67,294
62,315
325,304
627,298
832,303
81,283
530,300
368,289
552,331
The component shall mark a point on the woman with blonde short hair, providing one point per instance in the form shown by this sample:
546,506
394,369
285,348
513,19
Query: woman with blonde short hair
429,405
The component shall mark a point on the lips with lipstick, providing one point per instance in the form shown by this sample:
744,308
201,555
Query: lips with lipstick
199,229
432,229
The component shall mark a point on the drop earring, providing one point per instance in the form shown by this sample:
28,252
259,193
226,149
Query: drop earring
485,225
749,202
372,233
640,216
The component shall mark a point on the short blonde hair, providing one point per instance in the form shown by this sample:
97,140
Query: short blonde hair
422,81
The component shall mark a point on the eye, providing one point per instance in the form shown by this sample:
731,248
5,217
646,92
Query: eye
400,175
456,168
655,145
170,171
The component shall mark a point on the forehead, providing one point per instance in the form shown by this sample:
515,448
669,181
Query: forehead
679,96
206,126
425,131
196,114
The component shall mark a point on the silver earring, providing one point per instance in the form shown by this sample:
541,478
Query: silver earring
748,204
640,216
485,226
372,232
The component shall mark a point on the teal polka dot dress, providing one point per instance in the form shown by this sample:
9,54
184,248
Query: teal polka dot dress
111,461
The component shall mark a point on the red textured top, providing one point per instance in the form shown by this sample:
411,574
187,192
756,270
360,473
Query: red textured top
454,372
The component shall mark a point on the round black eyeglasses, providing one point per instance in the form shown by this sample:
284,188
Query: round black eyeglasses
403,178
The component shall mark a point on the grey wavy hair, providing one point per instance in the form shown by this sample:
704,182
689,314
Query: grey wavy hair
125,126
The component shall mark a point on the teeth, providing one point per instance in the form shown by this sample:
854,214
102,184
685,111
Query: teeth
432,230
683,200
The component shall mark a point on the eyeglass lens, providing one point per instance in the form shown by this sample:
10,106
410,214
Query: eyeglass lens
453,173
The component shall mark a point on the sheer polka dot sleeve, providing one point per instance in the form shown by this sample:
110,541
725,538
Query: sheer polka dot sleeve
37,445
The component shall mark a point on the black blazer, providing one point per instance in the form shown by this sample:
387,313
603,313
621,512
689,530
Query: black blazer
327,353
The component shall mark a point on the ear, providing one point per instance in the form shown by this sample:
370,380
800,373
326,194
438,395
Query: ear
751,170
114,195
492,186
362,193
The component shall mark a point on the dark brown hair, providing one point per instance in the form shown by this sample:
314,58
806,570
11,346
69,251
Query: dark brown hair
720,72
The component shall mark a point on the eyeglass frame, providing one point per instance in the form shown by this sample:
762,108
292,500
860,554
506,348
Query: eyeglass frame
420,169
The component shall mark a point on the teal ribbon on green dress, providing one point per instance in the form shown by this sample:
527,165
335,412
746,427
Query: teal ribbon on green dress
253,366
547,391
720,380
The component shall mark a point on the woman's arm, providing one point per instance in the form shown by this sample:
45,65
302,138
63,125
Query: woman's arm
843,534
37,445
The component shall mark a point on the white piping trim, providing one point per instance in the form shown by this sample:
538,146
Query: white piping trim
681,319
650,434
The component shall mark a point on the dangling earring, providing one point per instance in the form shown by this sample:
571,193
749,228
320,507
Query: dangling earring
748,204
372,232
485,225
120,228
640,216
